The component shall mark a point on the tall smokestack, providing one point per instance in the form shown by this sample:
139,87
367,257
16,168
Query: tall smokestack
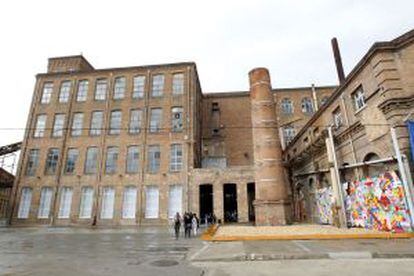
272,205
338,60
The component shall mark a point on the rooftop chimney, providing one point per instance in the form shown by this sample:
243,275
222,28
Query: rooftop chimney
338,60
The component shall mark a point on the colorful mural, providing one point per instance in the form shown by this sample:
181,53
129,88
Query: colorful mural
324,201
378,203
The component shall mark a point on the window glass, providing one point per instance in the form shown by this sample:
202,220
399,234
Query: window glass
151,202
77,124
83,87
157,85
129,202
45,201
177,119
25,202
85,210
108,200
71,158
115,122
100,89
91,163
111,160
32,162
65,202
178,84
139,87
155,120
52,161
176,157
154,158
47,93
96,123
40,126
135,121
58,125
64,91
132,165
119,88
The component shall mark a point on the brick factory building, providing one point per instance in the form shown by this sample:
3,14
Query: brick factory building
135,145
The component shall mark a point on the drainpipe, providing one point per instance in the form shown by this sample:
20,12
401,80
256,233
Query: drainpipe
408,195
145,130
336,182
315,99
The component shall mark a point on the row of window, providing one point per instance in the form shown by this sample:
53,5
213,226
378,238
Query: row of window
111,163
119,90
306,105
129,202
115,122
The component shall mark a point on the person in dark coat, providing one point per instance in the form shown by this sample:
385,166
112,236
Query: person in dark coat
177,225
187,225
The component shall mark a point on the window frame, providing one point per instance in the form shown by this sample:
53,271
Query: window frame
82,94
52,161
100,93
178,88
176,159
119,88
154,162
114,130
47,92
66,90
137,93
157,85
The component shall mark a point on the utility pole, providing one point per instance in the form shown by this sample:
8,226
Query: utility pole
336,182
404,179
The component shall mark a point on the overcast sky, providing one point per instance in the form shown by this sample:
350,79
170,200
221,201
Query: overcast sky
225,38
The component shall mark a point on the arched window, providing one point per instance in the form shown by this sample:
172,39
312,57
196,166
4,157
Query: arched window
324,101
372,169
307,106
287,106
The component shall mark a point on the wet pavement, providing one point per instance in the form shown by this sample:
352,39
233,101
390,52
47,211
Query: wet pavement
155,251
69,251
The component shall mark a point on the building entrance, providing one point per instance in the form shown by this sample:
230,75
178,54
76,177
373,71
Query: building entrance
230,202
251,196
206,202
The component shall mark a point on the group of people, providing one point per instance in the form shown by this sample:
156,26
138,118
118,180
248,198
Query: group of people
190,221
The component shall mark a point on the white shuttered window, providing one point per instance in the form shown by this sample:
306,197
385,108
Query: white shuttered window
45,201
108,200
152,202
65,202
25,201
85,210
175,197
129,202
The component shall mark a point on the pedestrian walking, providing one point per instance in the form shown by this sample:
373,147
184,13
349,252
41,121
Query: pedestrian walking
187,225
177,225
194,224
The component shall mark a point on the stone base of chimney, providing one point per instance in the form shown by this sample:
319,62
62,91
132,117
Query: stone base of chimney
272,212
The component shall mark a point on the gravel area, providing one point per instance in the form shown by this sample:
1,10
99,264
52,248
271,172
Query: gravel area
226,231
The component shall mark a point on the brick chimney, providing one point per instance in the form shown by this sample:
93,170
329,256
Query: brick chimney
272,205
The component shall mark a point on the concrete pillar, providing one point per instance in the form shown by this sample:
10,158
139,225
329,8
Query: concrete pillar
272,205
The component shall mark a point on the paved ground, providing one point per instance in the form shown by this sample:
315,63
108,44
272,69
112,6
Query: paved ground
312,268
154,251
145,251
